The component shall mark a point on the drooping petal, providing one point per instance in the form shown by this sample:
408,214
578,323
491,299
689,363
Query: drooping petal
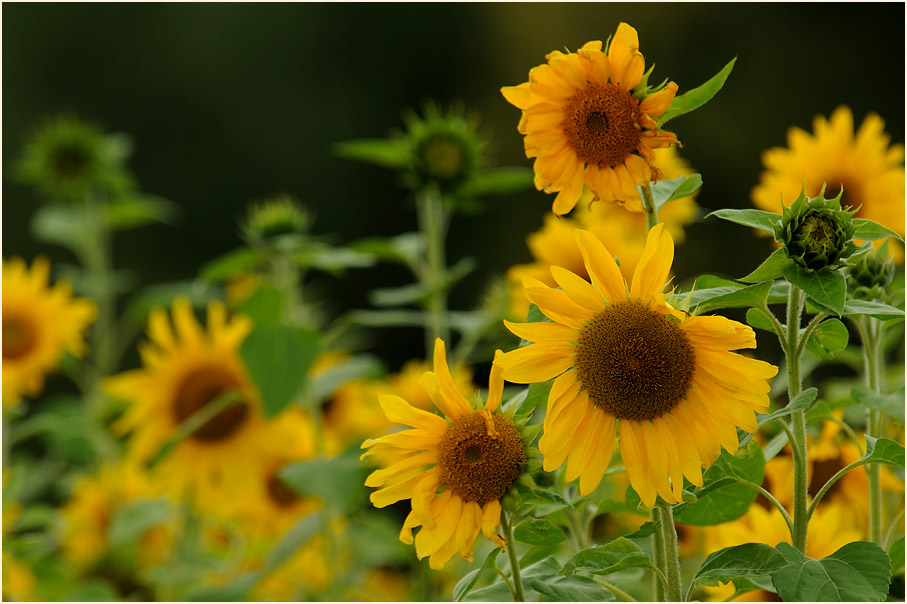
495,383
652,271
398,410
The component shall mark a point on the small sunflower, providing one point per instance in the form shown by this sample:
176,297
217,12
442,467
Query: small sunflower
869,170
624,358
40,323
587,123
185,368
476,457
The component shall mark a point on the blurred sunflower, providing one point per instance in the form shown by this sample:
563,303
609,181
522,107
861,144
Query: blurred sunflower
186,367
588,122
625,356
622,232
869,170
18,580
476,458
40,323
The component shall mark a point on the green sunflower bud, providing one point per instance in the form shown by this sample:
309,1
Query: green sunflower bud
446,150
871,274
817,233
276,218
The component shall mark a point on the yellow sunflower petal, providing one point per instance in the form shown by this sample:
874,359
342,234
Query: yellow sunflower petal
656,455
520,96
601,455
423,494
657,103
408,440
398,410
578,289
406,533
570,194
555,305
687,456
635,462
602,268
626,60
536,362
491,520
495,383
673,450
544,332
467,529
379,477
579,457
446,511
395,492
652,271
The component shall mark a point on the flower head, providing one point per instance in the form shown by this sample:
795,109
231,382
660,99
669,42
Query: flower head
275,217
869,277
816,233
445,148
40,323
624,359
475,456
588,121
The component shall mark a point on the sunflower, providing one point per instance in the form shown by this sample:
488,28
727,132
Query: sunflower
622,232
869,170
625,358
587,126
185,368
40,323
476,457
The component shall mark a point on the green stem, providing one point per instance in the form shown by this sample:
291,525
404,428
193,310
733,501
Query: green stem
808,331
871,334
774,502
831,481
798,419
779,329
96,258
673,589
658,550
891,529
518,595
433,223
648,205
621,594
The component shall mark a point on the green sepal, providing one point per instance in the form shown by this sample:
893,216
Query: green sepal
697,97
869,230
387,153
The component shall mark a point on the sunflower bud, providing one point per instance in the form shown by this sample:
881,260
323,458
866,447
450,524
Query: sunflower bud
446,150
276,218
816,233
871,274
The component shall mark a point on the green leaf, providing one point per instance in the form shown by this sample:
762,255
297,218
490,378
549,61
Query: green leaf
538,396
571,589
465,585
265,306
869,230
830,337
360,366
613,557
879,310
749,296
338,480
721,499
500,181
883,450
334,260
748,561
138,210
406,248
772,268
130,521
826,290
801,402
93,590
668,190
398,296
232,263
699,96
388,153
858,572
896,553
278,358
646,530
198,292
62,225
538,531
757,219
535,315
757,320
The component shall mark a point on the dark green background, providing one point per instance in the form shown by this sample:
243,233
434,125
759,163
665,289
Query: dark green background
231,102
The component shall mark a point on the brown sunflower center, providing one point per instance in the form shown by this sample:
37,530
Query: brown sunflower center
19,337
476,465
278,491
635,363
601,124
200,388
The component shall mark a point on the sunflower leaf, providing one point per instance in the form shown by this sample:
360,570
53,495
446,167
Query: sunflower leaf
896,553
749,296
801,402
757,219
697,97
757,320
231,264
338,480
750,561
772,268
669,190
892,404
827,290
571,589
538,531
465,585
499,181
878,310
859,571
137,210
883,450
869,230
610,558
829,338
278,358
384,152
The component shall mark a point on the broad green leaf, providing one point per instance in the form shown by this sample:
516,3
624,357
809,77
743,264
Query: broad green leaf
571,589
606,559
63,225
867,229
646,530
748,561
892,404
138,210
360,366
858,572
883,450
731,500
265,306
830,337
236,590
757,219
231,264
749,296
465,585
896,553
538,396
388,153
500,181
496,592
338,480
538,531
334,260
130,521
879,310
826,290
406,248
377,540
772,268
669,190
278,358
711,281
801,402
757,320
779,293
699,96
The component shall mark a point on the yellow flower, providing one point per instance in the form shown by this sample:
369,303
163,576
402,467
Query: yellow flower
870,171
625,356
585,127
18,580
476,457
185,368
40,323
622,232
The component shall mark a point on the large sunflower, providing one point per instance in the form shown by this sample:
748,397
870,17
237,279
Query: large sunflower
870,171
476,458
185,368
586,127
40,323
624,359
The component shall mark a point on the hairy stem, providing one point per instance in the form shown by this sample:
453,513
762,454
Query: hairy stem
658,550
518,595
673,589
621,594
871,334
798,418
648,205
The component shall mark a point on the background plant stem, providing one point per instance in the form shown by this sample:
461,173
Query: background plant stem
433,223
871,333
